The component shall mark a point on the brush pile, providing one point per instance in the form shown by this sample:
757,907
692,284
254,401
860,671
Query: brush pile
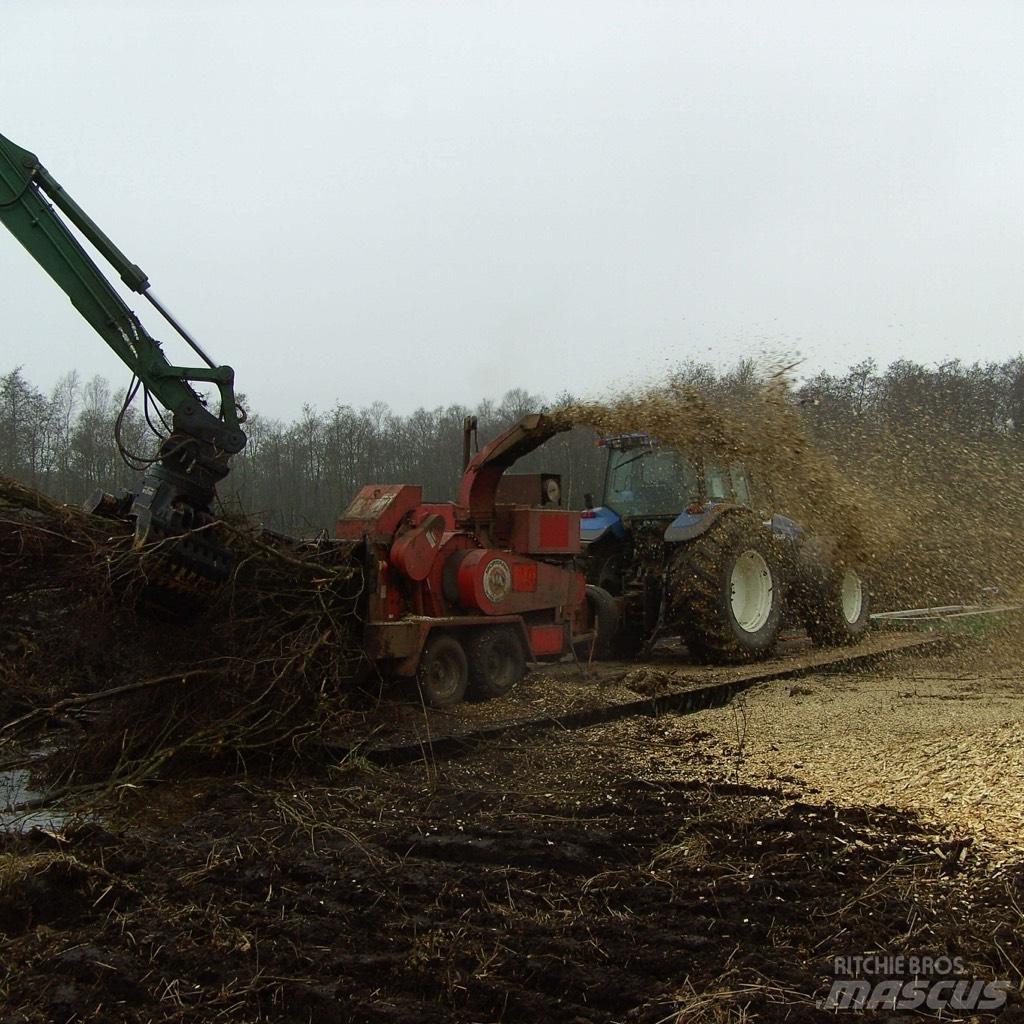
262,669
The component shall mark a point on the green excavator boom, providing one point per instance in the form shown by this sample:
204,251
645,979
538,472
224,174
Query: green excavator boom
179,486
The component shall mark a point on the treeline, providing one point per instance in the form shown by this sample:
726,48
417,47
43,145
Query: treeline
977,401
296,476
292,476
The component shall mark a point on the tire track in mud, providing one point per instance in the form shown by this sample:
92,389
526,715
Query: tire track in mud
671,690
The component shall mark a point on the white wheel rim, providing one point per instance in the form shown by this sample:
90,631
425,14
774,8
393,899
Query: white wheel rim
751,587
852,596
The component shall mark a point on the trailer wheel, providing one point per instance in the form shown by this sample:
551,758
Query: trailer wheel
606,622
444,672
496,662
726,592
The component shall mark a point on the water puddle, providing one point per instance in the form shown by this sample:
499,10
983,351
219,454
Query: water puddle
15,793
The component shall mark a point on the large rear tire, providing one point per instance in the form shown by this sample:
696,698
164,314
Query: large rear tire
726,592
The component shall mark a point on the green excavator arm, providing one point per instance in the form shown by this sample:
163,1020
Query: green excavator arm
179,486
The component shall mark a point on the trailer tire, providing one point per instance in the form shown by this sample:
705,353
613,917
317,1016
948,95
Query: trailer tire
443,674
496,660
606,623
726,592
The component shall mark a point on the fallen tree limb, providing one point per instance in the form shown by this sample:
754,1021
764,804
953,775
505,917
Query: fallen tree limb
101,695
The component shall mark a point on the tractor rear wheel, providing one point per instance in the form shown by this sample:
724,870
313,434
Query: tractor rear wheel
496,661
444,672
726,592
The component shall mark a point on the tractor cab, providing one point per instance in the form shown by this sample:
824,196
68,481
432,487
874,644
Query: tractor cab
647,481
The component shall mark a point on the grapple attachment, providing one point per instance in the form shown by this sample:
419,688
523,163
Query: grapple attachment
174,520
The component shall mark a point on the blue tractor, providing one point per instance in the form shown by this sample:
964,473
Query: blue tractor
683,547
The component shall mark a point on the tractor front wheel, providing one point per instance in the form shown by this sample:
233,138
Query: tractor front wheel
837,608
444,672
726,592
496,662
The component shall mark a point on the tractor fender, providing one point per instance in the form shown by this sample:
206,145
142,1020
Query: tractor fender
816,557
688,525
785,528
596,523
790,540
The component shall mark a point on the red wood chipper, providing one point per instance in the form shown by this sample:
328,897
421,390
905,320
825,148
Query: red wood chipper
460,595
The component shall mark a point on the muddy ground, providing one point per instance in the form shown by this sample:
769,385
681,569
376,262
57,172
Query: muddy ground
695,868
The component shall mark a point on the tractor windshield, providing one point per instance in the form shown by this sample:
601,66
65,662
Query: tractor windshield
650,482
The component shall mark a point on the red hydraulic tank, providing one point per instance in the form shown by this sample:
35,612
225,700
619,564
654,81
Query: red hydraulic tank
499,582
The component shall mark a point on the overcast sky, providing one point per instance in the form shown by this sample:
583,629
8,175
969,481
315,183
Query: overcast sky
433,202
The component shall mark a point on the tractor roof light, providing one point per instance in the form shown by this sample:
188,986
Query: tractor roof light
625,441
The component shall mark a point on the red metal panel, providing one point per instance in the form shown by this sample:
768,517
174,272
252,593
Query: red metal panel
554,531
445,509
544,531
377,510
528,488
400,644
485,581
546,640
383,641
524,577
415,550
384,599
